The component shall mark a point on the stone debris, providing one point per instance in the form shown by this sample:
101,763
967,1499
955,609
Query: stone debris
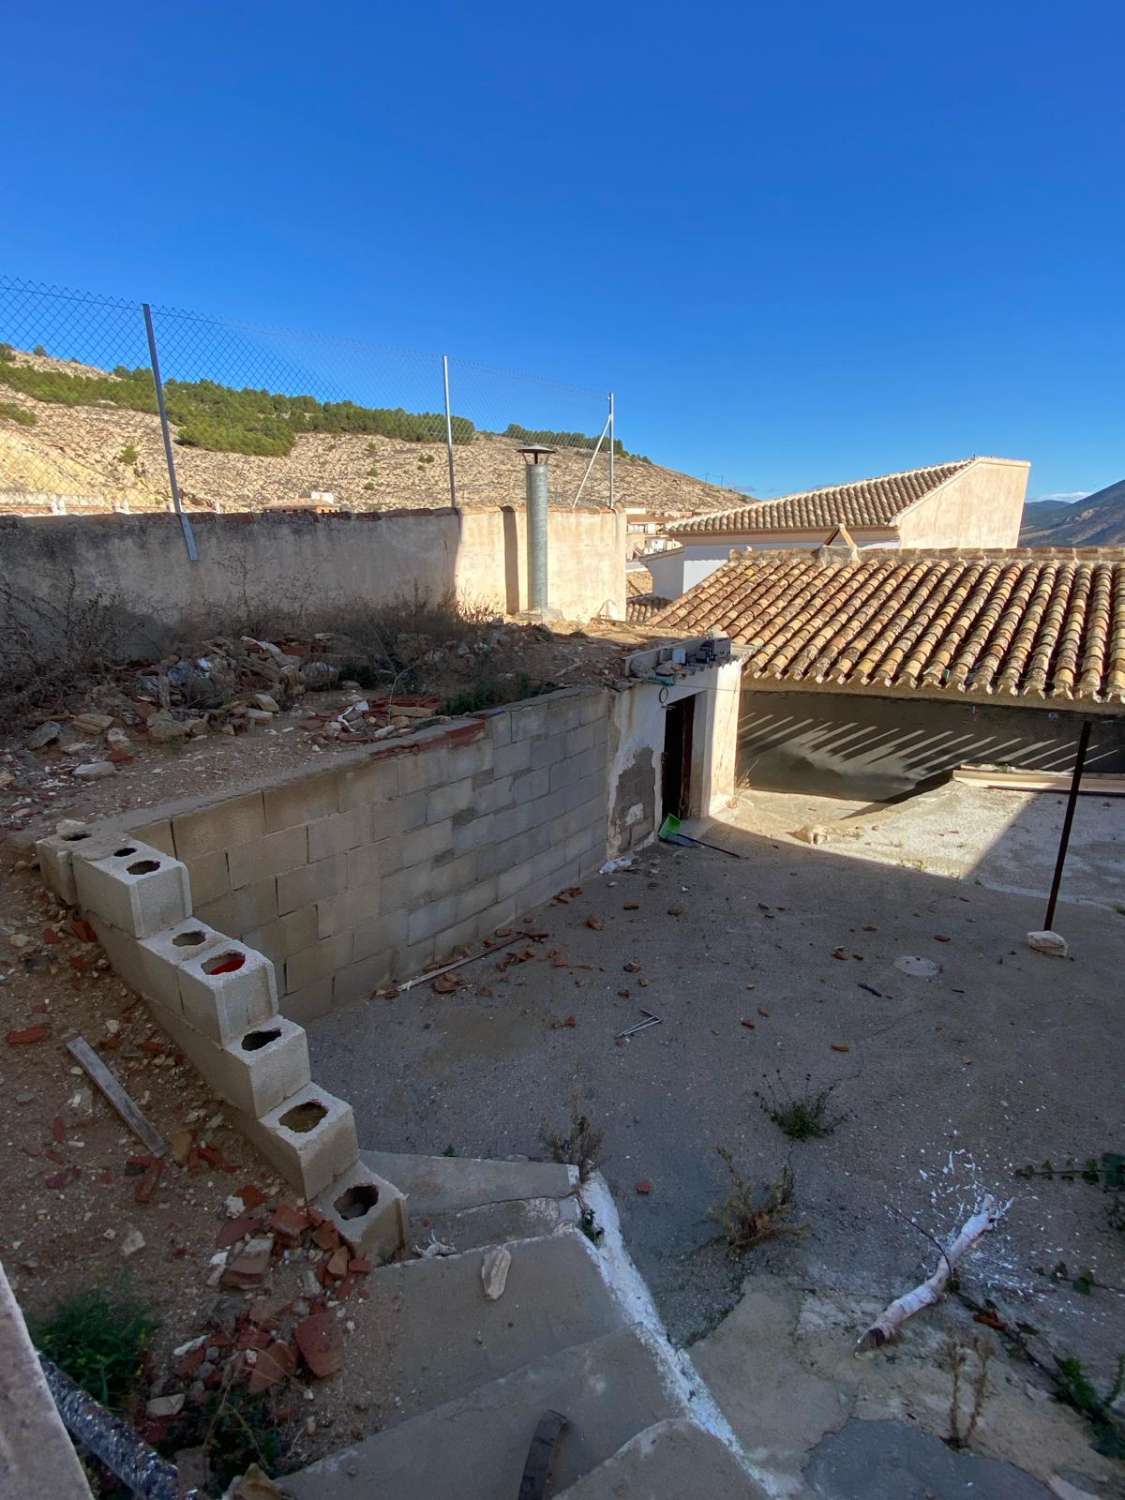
45,735
494,1269
132,1242
94,770
1048,942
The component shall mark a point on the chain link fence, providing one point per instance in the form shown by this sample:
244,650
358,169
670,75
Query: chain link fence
260,417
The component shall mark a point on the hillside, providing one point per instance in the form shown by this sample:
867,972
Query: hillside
88,443
1097,521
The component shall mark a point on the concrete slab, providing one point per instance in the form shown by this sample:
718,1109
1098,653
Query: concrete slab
493,1223
448,1184
442,1338
475,1447
668,1461
891,1461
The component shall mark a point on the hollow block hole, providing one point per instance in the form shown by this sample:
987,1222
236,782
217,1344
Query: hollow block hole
124,852
224,963
190,939
253,1041
357,1201
304,1117
143,867
72,838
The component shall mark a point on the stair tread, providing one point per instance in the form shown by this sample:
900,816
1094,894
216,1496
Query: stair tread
476,1446
446,1184
494,1223
667,1461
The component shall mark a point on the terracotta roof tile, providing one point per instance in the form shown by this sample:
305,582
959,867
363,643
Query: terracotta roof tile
866,503
1030,626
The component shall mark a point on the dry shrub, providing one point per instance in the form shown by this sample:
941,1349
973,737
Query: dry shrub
50,647
748,1219
578,1144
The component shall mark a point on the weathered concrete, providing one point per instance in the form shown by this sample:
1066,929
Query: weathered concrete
608,1388
668,1461
36,1455
891,1461
307,568
444,1184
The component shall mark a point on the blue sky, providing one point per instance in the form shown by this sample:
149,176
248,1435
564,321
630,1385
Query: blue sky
802,243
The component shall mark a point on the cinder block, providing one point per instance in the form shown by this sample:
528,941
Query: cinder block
471,831
243,910
508,760
453,797
499,726
358,904
358,981
309,1138
480,895
163,955
137,888
56,856
268,1064
470,759
530,721
369,1212
376,781
446,943
228,991
594,705
208,876
123,952
337,834
157,835
492,794
320,961
423,770
427,921
300,801
514,880
309,883
273,854
549,749
223,825
426,843
378,936
288,935
412,960
308,1004
531,784
580,739
368,865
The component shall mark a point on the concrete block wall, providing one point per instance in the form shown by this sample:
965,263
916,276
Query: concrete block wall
217,998
369,870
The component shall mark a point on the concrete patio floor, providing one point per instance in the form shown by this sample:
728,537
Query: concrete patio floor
945,1085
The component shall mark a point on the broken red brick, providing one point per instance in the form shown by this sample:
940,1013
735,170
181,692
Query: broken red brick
58,1129
644,1187
152,1046
359,1265
338,1263
320,1343
51,935
78,962
28,1035
235,1230
148,1184
288,1223
274,1364
326,1237
840,1047
748,1024
252,1197
82,929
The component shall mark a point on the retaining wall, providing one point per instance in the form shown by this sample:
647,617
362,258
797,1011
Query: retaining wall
370,870
311,564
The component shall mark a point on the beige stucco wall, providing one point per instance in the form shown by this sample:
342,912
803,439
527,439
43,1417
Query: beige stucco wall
301,565
981,506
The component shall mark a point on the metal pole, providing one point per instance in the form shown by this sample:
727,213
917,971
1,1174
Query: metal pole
590,465
185,524
612,443
449,432
537,536
1064,838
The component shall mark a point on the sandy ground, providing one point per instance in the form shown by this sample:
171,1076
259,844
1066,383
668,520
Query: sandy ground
1006,840
945,1086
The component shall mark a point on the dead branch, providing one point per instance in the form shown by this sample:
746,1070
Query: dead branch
888,1323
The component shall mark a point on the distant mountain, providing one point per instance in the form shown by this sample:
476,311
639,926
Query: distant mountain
1096,521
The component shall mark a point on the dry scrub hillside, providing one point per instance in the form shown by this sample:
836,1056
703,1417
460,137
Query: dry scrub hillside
103,456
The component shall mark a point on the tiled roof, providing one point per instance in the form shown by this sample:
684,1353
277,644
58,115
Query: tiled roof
644,607
1007,626
637,581
867,502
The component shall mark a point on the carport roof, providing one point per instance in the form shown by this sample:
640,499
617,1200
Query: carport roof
1028,627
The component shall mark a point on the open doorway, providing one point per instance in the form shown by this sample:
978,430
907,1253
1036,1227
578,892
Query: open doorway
675,779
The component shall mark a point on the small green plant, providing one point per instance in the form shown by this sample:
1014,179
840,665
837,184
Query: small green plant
579,1143
801,1117
425,458
7,354
235,1429
748,1219
491,692
128,455
369,485
1075,1389
39,349
20,414
99,1340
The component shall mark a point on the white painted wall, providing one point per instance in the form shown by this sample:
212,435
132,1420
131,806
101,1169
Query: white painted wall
636,739
673,573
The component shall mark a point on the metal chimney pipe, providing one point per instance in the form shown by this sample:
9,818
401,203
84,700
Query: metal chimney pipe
537,517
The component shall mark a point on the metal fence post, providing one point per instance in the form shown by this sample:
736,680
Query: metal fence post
185,524
612,445
449,432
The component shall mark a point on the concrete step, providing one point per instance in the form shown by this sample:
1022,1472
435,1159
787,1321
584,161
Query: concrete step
671,1460
448,1184
440,1337
476,1447
493,1223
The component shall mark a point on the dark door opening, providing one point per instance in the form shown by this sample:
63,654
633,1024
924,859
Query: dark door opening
675,780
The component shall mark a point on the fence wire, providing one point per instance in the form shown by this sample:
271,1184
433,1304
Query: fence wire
264,417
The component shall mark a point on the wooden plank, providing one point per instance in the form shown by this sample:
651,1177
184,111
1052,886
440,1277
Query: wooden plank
1095,785
80,1049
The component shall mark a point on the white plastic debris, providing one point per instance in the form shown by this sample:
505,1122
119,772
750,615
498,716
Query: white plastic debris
494,1271
919,968
611,866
